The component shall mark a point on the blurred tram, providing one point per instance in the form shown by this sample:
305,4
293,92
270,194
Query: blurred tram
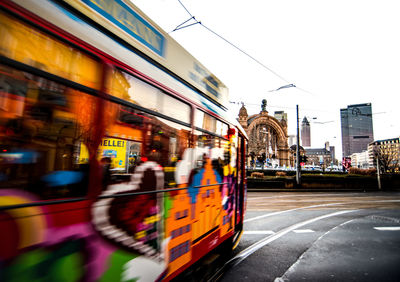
118,159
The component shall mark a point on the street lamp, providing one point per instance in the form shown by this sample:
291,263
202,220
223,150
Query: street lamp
298,168
378,171
323,122
283,87
264,130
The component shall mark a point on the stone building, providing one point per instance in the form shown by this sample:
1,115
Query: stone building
267,135
319,156
388,153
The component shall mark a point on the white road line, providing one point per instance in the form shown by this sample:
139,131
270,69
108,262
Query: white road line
248,251
293,267
316,206
314,195
256,246
303,231
258,232
385,218
285,211
388,228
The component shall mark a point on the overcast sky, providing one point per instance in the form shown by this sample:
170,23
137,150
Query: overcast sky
338,52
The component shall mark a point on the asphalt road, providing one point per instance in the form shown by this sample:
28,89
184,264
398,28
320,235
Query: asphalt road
319,237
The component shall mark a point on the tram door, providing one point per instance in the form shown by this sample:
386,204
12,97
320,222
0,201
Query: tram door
241,182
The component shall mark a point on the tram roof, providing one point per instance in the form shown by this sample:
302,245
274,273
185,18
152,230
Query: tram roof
129,23
166,52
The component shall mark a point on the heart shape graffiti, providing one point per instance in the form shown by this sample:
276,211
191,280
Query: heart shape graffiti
133,221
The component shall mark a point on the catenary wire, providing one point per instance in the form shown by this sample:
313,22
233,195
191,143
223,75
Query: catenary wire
230,43
185,8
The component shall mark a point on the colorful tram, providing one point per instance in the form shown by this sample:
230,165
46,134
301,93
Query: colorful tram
118,160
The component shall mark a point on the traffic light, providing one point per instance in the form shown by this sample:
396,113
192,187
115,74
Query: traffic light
303,159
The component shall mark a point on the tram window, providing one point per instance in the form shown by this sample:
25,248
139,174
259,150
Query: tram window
209,123
213,147
133,137
122,144
169,141
175,109
134,90
198,118
222,128
205,140
205,121
30,46
42,128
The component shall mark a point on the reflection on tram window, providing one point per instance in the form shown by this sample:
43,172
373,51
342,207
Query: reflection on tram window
133,137
214,147
42,128
167,145
221,128
209,123
205,121
30,46
168,141
129,88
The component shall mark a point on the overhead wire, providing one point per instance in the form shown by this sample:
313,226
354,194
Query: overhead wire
252,105
258,105
185,8
181,26
245,53
230,43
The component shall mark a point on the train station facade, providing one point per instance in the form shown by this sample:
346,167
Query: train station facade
267,135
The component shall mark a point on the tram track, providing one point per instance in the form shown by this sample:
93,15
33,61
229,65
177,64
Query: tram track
318,206
237,259
263,242
293,266
272,236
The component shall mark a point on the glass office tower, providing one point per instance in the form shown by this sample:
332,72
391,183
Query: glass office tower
357,130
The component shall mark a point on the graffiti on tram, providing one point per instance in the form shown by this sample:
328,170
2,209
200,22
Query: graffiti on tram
123,236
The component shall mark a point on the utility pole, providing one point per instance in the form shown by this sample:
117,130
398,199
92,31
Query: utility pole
298,168
378,174
378,170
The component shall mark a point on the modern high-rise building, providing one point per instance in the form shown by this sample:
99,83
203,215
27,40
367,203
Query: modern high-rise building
357,130
305,133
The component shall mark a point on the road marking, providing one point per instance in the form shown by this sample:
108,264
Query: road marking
317,206
385,218
303,231
258,232
258,245
250,250
293,267
314,195
285,211
388,228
